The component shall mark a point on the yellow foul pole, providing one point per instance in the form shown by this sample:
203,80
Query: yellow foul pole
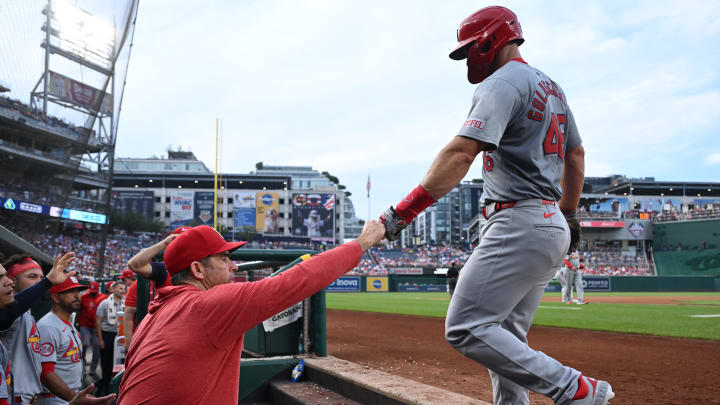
215,207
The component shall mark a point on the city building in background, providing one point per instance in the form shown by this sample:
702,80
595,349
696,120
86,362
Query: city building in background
177,190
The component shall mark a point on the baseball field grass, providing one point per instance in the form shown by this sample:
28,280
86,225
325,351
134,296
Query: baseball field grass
687,319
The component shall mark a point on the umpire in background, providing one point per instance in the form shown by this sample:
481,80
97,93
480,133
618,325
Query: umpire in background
452,277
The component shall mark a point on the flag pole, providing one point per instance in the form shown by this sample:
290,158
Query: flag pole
215,191
368,195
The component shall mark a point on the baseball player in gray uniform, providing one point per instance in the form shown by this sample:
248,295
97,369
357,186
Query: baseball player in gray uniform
579,289
533,168
61,347
6,382
572,263
560,276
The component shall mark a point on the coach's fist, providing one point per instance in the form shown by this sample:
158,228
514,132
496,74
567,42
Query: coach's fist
373,232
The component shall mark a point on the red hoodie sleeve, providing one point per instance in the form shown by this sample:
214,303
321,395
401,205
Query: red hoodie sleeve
232,309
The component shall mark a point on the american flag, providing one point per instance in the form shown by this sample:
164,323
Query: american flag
330,203
368,186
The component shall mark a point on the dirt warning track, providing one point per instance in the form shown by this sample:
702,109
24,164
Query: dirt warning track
642,369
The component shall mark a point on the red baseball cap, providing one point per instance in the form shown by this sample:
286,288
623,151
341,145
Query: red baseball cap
109,285
68,284
94,286
193,245
127,273
181,230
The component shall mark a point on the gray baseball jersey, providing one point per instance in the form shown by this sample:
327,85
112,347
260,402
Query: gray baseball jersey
6,384
61,345
525,118
23,343
109,319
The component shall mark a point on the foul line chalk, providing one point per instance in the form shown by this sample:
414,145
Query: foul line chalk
706,316
570,308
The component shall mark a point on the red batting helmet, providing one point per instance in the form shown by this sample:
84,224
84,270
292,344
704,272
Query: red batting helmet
482,35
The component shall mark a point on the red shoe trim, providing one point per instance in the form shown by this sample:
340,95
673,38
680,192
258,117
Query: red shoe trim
582,390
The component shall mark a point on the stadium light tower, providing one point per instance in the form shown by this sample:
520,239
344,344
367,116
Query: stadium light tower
91,41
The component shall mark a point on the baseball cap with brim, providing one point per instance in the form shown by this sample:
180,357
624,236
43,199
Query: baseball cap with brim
94,286
193,245
68,284
127,273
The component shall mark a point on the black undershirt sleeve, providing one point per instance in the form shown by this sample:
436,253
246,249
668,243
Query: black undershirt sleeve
23,301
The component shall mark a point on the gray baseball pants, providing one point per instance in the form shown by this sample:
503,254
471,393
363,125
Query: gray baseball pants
570,276
579,287
497,295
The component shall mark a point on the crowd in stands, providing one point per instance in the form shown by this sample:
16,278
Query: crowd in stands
19,189
432,256
25,111
368,267
656,216
697,213
612,262
86,246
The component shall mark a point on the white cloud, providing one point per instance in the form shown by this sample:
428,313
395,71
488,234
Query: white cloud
350,87
712,159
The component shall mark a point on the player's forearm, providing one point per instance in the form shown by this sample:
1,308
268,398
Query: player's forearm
57,386
450,166
573,178
140,263
98,327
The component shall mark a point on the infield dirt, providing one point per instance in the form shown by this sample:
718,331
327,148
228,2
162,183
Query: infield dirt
642,369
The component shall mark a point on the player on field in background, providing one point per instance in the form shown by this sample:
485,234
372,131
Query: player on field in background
452,277
579,289
560,276
572,267
533,167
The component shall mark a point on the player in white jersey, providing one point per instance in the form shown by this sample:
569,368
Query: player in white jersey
533,171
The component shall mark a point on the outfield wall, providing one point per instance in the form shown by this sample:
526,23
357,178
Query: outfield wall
687,248
395,283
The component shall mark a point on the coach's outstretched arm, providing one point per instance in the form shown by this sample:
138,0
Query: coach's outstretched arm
446,171
572,183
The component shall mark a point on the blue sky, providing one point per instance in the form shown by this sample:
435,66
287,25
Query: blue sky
357,87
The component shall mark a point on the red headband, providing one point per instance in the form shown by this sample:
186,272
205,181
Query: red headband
23,266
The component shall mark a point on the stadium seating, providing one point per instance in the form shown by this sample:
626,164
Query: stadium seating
611,262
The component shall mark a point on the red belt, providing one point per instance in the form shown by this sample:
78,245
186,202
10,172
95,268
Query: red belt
492,208
33,401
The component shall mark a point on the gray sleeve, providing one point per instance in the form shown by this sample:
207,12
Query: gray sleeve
102,309
4,392
571,133
495,103
4,361
49,343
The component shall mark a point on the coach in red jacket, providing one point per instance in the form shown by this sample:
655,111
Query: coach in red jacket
187,350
